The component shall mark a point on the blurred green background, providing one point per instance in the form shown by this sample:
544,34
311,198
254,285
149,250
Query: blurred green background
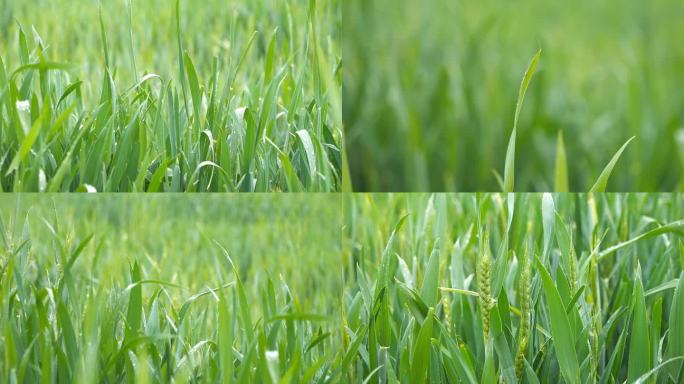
173,238
70,30
430,89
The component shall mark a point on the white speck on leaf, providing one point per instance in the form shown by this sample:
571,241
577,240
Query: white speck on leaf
23,105
240,113
272,356
42,180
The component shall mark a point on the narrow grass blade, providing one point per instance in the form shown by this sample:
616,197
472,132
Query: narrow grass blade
307,144
667,363
421,351
293,183
561,174
103,36
429,289
134,313
41,66
195,92
602,181
674,226
28,141
639,345
675,339
563,339
225,335
509,168
245,315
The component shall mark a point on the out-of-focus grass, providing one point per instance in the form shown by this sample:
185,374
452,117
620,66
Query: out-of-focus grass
124,288
430,91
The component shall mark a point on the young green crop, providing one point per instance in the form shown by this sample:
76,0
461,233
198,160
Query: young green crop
169,288
441,288
430,94
561,175
214,98
531,288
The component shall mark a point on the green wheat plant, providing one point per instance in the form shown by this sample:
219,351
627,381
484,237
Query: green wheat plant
514,288
169,289
430,90
244,97
561,169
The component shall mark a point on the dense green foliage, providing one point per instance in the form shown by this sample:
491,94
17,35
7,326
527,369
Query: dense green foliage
246,96
430,93
515,288
445,288
170,96
123,288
